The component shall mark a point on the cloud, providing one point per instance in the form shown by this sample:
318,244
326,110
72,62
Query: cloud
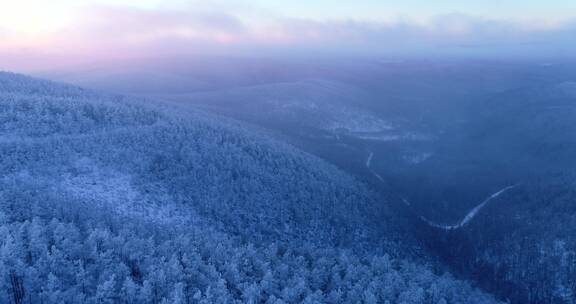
131,20
100,32
126,26
442,29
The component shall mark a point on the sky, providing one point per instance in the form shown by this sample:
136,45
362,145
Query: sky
39,32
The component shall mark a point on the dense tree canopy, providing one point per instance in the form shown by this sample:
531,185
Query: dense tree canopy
105,199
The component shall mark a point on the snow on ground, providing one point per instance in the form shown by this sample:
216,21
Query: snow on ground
356,121
470,215
394,136
467,219
416,158
115,192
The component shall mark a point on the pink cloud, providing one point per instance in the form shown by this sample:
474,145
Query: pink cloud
105,33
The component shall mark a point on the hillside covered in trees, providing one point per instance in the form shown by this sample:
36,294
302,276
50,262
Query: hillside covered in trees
107,199
521,246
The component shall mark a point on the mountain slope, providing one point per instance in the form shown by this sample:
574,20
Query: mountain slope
104,199
522,246
317,104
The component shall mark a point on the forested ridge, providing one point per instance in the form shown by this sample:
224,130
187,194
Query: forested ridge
522,245
530,256
108,199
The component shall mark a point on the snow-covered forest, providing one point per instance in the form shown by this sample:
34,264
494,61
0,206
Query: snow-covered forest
108,199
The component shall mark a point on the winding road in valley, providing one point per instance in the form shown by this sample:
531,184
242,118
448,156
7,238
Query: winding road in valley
463,222
369,166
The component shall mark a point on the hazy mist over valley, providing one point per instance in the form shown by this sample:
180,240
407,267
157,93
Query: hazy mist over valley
239,151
